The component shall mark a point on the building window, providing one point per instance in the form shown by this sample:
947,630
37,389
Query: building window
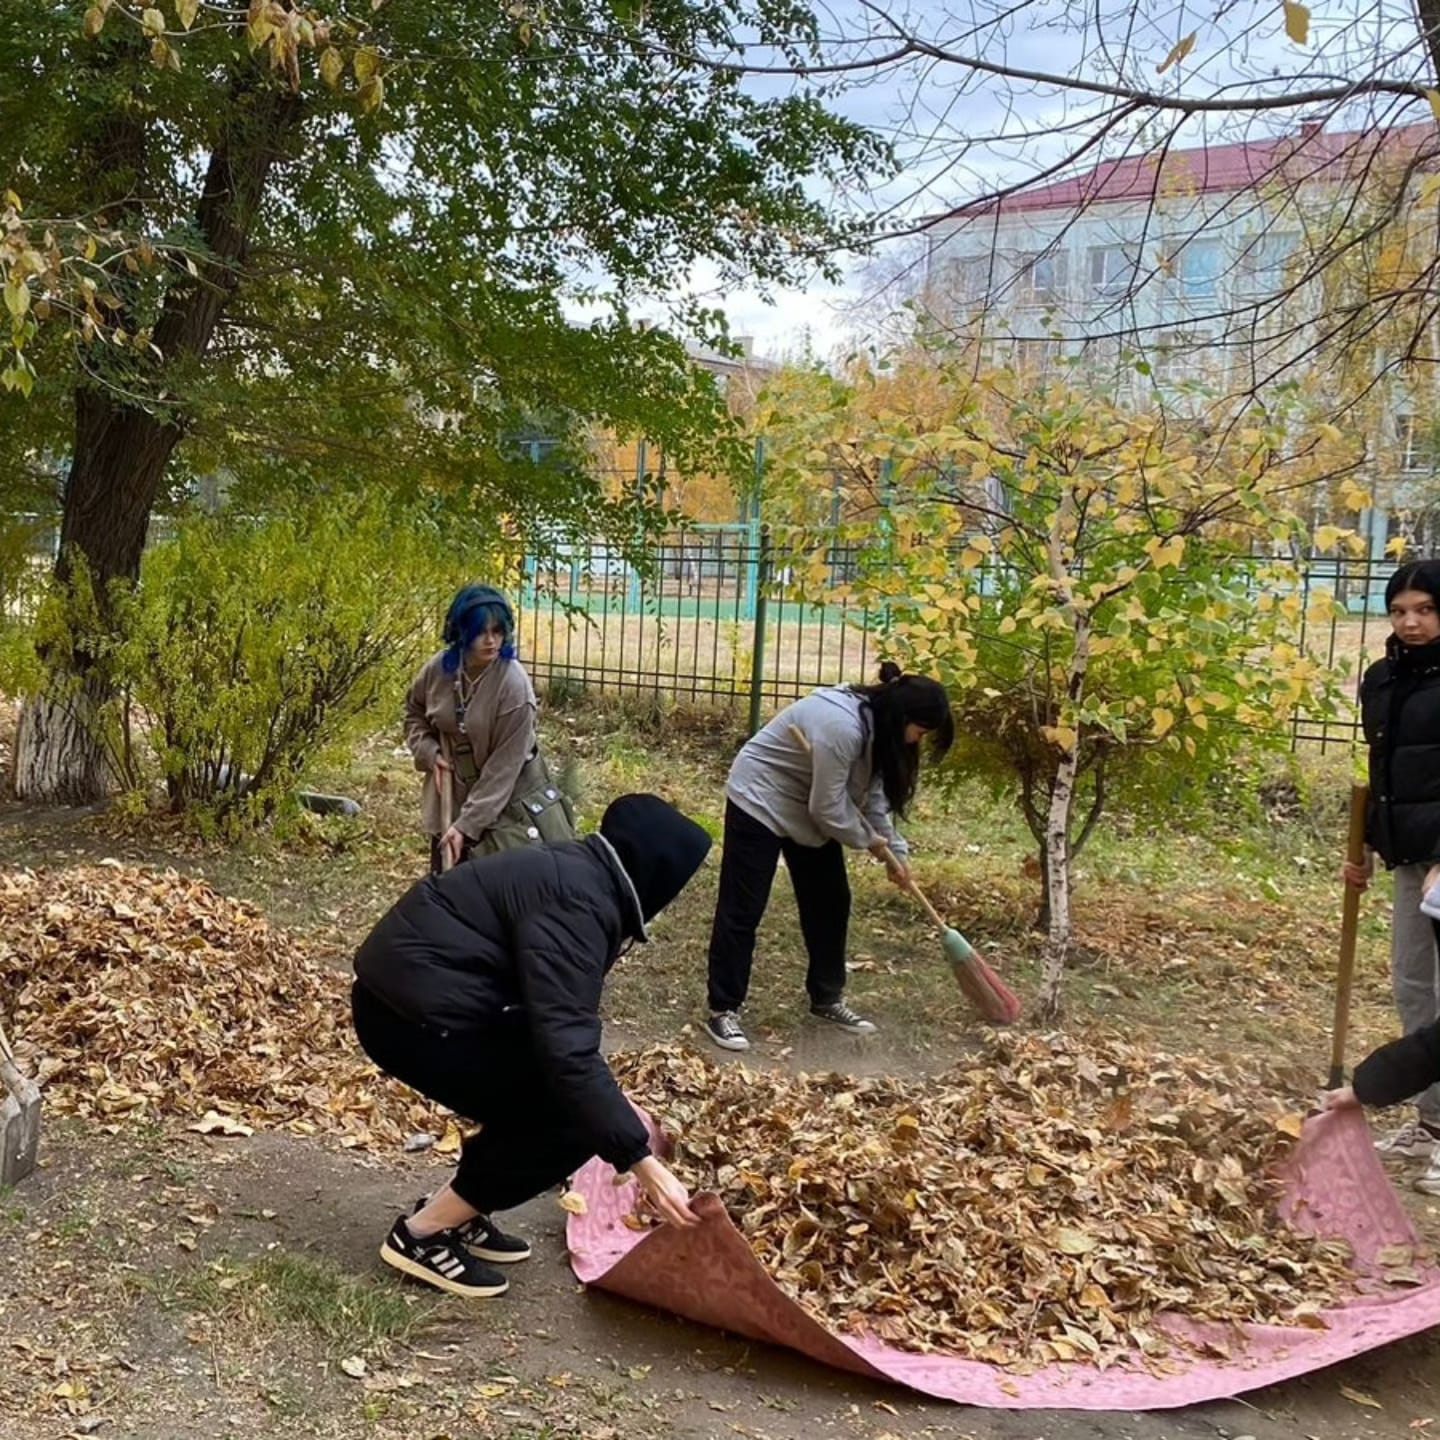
1266,263
1112,269
1414,444
1040,279
966,278
1108,362
1035,357
1180,356
1198,269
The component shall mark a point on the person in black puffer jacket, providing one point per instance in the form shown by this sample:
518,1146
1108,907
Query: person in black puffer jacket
1393,1073
1400,711
481,989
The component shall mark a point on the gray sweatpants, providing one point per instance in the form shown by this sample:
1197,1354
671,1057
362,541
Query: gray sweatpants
1415,969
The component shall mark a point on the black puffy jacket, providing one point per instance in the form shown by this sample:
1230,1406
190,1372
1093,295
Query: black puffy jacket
1400,712
1401,1069
534,930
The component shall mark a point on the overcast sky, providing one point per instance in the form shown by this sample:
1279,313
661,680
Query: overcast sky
959,138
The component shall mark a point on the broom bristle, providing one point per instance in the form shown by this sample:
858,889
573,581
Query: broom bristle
981,986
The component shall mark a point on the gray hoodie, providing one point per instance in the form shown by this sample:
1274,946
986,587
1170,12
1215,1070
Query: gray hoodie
830,791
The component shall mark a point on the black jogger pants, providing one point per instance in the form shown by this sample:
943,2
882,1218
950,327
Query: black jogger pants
747,871
527,1142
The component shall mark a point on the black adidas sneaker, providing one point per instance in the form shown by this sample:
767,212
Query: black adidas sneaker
443,1261
484,1239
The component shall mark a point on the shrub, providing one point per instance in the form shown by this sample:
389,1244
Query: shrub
252,648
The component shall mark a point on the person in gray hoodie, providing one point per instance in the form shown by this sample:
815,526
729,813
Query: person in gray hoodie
828,773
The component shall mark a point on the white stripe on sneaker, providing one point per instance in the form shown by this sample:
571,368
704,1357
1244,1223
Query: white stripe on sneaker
407,1266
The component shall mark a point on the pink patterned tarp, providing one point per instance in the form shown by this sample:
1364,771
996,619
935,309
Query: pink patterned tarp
1335,1186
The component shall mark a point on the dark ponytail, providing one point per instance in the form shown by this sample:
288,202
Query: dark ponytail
897,701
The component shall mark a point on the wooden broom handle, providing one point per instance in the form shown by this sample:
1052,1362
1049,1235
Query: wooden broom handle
447,800
886,853
888,856
1349,923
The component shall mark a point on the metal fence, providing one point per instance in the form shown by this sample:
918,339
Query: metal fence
709,620
713,620
711,617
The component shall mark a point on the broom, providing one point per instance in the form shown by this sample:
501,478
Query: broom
981,986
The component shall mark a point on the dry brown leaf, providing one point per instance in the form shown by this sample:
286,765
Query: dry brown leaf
212,1122
1361,1398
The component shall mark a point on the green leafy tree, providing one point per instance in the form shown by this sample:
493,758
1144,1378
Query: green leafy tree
301,246
1083,579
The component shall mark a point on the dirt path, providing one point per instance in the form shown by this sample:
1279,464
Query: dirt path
114,1325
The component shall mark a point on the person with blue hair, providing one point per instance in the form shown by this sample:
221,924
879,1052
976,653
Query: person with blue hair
470,726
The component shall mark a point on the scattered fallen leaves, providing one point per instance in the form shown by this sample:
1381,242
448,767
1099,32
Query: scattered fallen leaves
1048,1200
213,1122
141,994
1361,1398
354,1366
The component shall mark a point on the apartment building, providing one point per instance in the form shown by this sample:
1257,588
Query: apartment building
1173,275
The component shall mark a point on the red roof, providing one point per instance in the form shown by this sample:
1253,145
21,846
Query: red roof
1312,154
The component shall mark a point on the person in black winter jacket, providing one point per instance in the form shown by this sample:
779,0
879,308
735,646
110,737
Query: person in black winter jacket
1395,1072
481,989
1400,711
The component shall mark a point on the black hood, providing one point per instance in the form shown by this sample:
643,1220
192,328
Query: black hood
659,847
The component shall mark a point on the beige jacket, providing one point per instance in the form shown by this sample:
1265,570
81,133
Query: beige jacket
500,735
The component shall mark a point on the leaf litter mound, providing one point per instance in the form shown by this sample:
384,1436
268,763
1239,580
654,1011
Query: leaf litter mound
1045,1201
141,994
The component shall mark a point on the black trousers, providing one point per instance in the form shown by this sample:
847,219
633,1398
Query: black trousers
822,894
526,1143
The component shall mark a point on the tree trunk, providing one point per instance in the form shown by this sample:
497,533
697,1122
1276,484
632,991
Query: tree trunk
120,458
123,445
1062,797
1057,882
1427,15
1042,915
58,753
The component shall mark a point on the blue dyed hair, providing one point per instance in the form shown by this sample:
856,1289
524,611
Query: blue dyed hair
473,611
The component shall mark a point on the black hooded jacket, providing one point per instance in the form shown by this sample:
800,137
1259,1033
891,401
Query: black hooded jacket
1401,1069
532,934
1400,711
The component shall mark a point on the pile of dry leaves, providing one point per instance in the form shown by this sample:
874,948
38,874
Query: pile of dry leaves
1042,1202
144,993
